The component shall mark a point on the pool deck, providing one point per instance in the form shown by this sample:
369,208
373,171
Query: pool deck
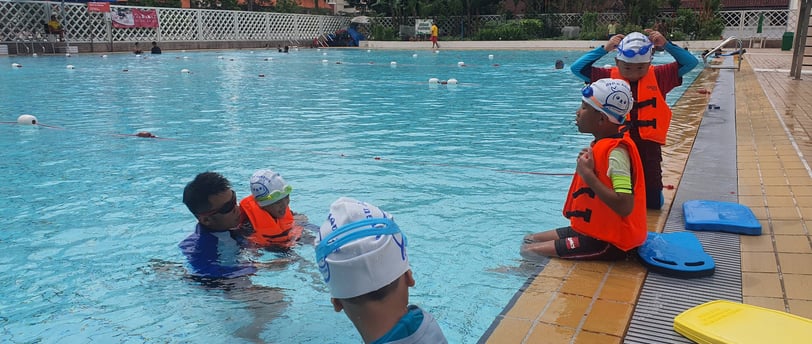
593,302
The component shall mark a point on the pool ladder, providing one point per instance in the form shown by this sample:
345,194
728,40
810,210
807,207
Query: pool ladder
739,51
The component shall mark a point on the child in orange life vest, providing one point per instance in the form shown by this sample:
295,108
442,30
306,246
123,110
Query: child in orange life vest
267,208
606,200
650,117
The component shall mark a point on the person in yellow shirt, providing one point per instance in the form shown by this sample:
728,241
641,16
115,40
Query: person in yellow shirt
435,31
55,28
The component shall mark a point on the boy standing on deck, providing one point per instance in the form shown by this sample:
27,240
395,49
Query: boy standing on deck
361,253
650,117
605,200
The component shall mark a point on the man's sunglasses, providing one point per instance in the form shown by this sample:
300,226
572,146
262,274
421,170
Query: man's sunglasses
225,209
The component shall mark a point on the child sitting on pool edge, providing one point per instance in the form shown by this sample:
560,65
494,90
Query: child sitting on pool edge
268,210
649,119
361,254
606,202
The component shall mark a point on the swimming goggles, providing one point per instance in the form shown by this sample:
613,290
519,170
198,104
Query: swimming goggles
631,52
355,231
276,195
225,209
589,95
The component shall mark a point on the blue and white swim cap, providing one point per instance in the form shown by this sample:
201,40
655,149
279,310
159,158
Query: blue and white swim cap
612,97
359,249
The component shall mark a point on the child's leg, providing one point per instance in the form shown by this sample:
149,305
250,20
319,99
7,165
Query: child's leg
540,245
651,156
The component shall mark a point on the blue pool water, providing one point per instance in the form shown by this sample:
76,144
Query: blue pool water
93,215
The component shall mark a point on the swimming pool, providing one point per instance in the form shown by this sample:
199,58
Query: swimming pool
94,215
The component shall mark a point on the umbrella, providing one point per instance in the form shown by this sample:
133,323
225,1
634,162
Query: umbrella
360,20
760,27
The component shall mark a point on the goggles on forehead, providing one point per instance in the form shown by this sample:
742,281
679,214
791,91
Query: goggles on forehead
276,195
354,231
631,52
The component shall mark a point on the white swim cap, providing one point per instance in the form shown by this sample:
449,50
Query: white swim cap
268,187
360,249
612,97
635,48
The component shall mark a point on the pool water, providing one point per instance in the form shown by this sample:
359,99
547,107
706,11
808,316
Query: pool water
93,215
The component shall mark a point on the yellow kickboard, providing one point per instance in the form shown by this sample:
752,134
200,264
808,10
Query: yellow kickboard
723,322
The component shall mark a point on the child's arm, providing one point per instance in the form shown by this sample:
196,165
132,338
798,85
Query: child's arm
685,59
582,68
620,203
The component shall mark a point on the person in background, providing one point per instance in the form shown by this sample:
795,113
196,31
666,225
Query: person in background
435,33
272,223
650,117
156,50
137,49
606,200
361,253
55,28
611,28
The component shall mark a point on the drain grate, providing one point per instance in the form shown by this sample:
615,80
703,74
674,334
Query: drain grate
710,173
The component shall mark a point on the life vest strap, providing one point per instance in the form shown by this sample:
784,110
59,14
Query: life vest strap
650,102
585,214
585,190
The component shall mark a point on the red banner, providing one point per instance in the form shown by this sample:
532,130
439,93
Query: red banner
103,7
132,17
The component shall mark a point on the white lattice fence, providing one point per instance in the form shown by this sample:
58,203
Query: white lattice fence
24,20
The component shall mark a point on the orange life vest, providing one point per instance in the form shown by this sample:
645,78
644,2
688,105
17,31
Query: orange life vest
267,231
650,115
592,217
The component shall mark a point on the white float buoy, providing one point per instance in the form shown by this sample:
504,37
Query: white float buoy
67,54
461,64
269,59
323,54
434,81
104,56
251,52
27,119
16,65
185,71
436,51
414,55
393,64
219,57
369,50
70,67
34,54
185,57
452,81
490,57
324,61
137,55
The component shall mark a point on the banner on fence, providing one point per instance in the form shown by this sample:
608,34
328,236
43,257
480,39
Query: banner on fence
103,7
422,26
132,18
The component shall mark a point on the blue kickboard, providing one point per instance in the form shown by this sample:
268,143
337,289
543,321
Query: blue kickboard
701,215
678,254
